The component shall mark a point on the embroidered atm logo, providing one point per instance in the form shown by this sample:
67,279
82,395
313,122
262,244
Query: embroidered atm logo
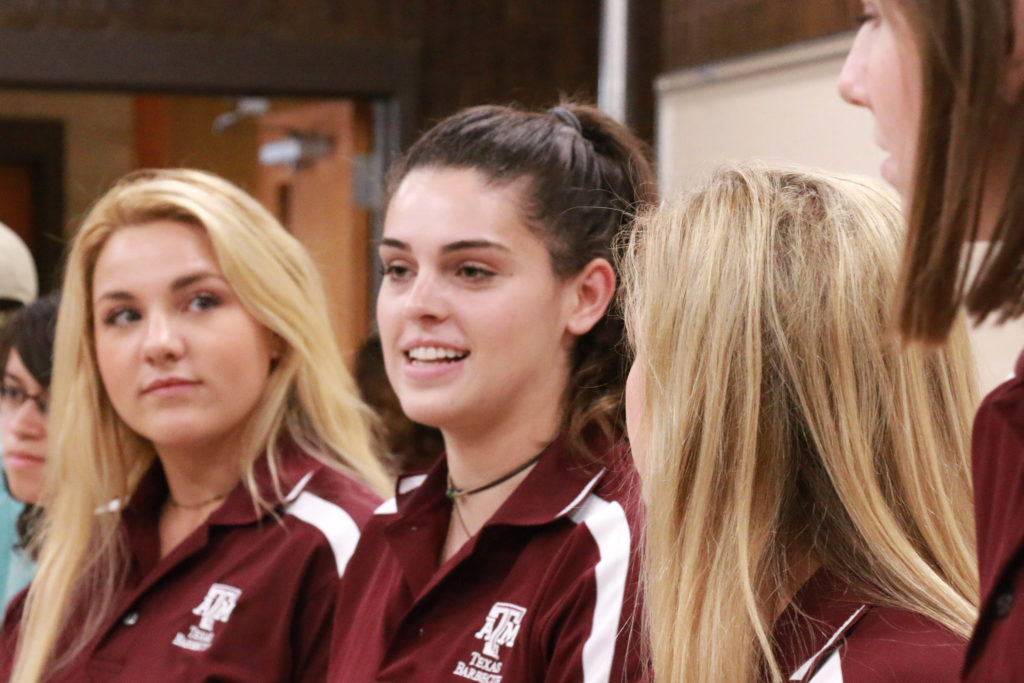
217,606
499,630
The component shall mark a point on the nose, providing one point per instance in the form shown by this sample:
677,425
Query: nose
27,422
851,78
162,342
425,298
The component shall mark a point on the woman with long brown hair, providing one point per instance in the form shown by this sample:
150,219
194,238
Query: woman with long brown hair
944,80
513,558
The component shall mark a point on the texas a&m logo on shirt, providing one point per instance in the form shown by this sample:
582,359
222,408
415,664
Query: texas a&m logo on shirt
217,606
499,630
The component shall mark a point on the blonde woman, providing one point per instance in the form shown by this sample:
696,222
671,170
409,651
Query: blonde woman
806,475
210,461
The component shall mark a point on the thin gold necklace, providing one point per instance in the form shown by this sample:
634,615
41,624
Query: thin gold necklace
193,506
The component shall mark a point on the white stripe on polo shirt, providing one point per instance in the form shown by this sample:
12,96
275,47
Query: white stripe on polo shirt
831,671
405,484
333,522
610,529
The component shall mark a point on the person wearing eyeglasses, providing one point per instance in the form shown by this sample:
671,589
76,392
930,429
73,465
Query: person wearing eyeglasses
26,351
18,287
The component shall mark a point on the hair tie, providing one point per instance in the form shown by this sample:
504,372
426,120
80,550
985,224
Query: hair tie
567,117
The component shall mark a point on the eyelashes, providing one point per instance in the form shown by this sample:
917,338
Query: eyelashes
125,315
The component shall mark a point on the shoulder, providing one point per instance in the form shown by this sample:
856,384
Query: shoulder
891,644
339,490
611,508
332,507
833,631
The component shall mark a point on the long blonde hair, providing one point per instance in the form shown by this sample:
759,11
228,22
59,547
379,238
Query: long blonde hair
96,458
787,427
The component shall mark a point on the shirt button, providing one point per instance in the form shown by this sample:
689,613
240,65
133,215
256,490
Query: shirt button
1003,603
130,619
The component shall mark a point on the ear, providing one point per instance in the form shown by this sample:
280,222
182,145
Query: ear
592,290
277,347
1014,83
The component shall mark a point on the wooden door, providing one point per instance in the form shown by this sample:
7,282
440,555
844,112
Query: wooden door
16,206
315,202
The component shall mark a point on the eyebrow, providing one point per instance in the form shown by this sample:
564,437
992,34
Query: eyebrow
178,284
461,245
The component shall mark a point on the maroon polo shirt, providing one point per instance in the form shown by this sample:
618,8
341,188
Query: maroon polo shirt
996,652
246,597
546,591
830,634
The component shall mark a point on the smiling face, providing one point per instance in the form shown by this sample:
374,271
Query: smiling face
182,361
473,320
23,433
883,74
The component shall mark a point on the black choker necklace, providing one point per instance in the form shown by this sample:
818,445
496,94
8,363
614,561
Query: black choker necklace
454,491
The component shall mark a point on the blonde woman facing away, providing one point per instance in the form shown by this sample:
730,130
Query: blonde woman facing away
806,476
210,461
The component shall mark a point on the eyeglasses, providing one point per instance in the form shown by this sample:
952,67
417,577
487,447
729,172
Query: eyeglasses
12,398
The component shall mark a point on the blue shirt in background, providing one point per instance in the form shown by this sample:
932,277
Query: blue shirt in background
16,569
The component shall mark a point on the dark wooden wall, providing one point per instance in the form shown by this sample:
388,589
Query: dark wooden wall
699,31
474,51
470,51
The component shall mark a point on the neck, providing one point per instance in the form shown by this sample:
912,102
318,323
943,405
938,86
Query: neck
198,481
195,475
802,566
478,459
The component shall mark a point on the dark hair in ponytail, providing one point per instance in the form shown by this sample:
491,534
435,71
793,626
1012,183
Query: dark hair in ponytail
585,177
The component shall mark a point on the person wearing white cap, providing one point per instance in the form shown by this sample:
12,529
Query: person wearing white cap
18,282
18,287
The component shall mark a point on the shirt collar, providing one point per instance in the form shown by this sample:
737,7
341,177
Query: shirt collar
294,471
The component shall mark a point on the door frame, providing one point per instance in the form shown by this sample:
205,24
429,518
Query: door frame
384,73
39,145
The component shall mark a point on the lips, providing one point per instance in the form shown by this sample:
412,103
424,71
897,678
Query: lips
167,384
22,458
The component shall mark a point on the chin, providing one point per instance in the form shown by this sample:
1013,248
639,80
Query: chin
429,412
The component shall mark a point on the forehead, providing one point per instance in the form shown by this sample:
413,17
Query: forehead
444,205
152,254
15,368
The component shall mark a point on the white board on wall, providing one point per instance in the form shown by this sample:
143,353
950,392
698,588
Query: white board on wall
784,105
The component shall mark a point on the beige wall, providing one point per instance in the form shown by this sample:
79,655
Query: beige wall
780,105
98,139
784,106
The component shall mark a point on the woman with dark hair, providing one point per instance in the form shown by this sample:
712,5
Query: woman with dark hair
944,80
513,559
27,355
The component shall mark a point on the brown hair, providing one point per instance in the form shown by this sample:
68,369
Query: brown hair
586,176
30,332
964,48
